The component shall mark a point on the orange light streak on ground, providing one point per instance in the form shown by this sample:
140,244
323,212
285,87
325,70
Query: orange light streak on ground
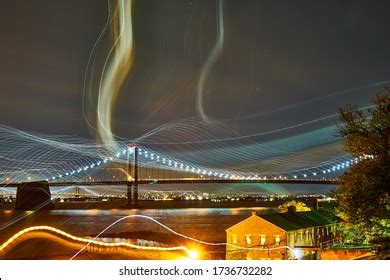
64,234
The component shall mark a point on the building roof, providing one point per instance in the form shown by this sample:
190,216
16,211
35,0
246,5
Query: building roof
251,221
299,220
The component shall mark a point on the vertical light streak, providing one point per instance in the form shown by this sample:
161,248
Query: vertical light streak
115,70
211,60
87,85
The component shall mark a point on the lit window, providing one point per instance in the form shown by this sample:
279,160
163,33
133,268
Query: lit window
248,239
262,240
277,239
234,238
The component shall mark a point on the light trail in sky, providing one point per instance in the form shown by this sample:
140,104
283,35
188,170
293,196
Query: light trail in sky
240,137
37,156
220,152
87,99
210,62
116,67
29,156
53,157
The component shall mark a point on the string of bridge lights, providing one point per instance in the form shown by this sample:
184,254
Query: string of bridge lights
33,157
174,164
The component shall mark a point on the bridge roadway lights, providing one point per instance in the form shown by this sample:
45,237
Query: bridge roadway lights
33,196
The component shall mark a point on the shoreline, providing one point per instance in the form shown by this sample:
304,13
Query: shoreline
168,204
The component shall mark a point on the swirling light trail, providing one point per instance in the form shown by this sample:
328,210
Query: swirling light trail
94,240
90,241
115,70
211,60
180,235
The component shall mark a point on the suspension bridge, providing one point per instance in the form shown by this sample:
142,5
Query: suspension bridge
158,169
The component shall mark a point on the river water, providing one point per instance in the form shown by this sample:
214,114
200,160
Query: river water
207,224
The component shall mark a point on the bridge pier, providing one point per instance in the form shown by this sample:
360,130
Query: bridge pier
132,196
33,196
132,186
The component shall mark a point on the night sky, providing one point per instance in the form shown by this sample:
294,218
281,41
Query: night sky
283,63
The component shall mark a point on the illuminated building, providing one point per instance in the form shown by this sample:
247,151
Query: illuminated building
291,235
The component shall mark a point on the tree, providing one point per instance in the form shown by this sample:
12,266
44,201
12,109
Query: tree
299,206
363,194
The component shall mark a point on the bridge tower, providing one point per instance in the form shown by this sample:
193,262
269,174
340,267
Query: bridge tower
132,182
